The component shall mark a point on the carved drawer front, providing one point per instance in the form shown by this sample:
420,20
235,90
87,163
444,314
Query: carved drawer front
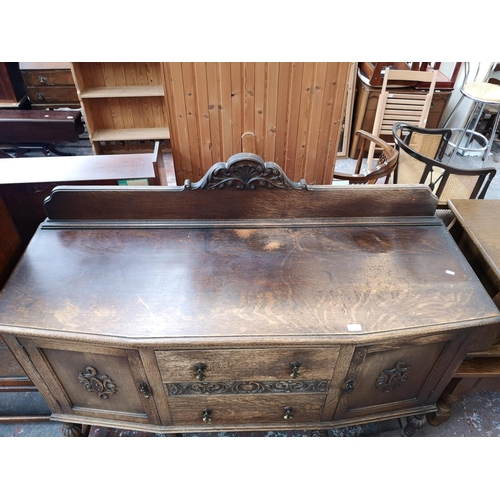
247,365
216,410
384,379
99,382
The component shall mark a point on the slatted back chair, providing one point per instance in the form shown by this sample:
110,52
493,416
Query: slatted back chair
396,106
420,151
384,167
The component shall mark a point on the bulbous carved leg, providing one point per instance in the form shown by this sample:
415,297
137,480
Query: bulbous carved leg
74,430
413,424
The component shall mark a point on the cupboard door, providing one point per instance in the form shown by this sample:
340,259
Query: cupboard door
96,382
385,378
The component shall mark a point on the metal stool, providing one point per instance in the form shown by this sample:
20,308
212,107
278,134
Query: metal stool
481,93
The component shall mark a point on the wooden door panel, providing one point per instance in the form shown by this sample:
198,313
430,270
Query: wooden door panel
390,379
96,381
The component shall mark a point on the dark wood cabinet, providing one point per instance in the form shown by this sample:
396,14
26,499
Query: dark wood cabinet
196,309
50,85
12,88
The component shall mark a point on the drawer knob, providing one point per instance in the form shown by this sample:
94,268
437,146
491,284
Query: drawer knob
41,96
295,368
288,413
349,385
200,371
144,390
42,80
207,416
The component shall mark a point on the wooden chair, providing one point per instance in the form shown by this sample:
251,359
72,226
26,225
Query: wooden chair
383,167
420,151
396,106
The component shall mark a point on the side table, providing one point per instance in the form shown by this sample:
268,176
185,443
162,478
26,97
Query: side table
476,232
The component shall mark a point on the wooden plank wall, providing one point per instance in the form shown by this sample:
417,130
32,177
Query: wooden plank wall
289,113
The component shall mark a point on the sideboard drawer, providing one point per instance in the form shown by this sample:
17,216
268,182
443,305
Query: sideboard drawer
216,410
247,364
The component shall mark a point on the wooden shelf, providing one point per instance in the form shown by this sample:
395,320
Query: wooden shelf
126,91
131,134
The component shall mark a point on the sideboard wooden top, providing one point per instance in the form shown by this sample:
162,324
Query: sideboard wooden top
192,282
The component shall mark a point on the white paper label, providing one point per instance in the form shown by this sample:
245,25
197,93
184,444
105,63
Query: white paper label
354,328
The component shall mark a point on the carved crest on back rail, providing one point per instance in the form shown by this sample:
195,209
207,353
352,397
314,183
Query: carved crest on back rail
245,171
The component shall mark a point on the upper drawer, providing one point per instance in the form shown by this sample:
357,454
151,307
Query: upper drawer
35,78
247,364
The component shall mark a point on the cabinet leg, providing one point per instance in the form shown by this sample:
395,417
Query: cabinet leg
413,424
455,391
75,430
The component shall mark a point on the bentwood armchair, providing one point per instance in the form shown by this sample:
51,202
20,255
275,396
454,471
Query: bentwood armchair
367,173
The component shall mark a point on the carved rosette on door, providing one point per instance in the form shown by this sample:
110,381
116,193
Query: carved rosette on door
99,383
393,377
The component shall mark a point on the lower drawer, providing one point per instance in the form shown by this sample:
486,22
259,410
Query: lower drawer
213,410
53,95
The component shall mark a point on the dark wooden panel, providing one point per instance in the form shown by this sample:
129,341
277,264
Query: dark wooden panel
180,203
37,126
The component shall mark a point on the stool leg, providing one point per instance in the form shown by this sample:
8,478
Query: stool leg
467,127
492,138
474,126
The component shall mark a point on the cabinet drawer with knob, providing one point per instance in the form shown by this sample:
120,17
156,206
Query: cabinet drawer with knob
223,410
247,365
52,95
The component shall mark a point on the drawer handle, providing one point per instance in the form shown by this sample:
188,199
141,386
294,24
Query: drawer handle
41,96
200,371
295,368
144,390
349,385
207,416
42,80
288,413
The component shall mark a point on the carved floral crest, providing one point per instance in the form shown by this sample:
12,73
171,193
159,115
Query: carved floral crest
245,171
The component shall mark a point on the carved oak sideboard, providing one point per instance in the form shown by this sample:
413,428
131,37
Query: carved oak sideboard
244,301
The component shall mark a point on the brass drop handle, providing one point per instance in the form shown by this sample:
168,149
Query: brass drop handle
349,385
200,371
288,413
42,80
41,96
144,390
207,416
295,368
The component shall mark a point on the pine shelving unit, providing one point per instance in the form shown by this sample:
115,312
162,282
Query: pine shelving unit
123,104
